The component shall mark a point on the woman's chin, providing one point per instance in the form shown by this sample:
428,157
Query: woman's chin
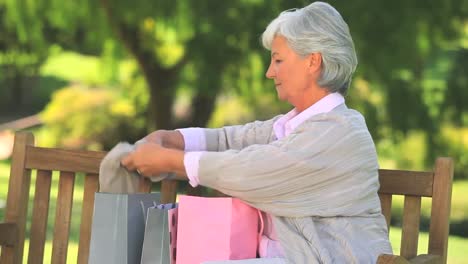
282,98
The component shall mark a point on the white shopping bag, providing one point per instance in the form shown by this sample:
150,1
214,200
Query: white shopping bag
119,226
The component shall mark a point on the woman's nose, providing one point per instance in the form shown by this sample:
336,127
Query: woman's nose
269,73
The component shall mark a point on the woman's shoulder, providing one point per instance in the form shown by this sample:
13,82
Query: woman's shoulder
339,116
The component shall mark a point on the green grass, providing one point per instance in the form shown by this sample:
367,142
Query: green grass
456,250
72,254
457,245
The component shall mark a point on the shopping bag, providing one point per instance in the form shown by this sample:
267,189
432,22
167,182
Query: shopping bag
221,228
156,242
118,227
172,216
250,261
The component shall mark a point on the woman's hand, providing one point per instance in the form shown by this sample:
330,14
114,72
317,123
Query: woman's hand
167,138
152,159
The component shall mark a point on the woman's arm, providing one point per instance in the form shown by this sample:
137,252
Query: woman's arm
323,168
240,136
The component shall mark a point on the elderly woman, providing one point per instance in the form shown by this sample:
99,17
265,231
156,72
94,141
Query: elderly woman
313,171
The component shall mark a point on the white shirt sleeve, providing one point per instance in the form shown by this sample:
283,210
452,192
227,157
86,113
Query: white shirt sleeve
195,144
191,164
194,138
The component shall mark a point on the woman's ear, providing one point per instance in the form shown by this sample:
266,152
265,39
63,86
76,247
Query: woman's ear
315,62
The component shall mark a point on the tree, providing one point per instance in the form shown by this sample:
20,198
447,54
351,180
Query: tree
206,38
406,51
208,46
167,39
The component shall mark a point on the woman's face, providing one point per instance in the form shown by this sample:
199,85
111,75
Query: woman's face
291,73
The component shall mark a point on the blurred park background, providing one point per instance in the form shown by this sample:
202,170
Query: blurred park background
89,74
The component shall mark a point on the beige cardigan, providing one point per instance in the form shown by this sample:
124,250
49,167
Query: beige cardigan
320,184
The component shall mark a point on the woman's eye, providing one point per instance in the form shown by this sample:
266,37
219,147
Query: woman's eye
278,61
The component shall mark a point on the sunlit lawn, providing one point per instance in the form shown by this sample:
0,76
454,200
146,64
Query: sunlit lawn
72,254
456,251
457,245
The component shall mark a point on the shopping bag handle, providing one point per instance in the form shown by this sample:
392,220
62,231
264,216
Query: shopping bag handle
260,232
145,212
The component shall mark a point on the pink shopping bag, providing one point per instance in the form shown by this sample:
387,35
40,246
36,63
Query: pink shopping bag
220,228
173,215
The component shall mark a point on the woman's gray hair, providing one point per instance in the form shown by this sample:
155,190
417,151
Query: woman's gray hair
318,27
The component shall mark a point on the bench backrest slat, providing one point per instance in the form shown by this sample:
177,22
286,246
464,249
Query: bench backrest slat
168,191
63,217
410,228
386,204
144,185
91,185
40,212
9,235
18,195
63,160
440,211
401,182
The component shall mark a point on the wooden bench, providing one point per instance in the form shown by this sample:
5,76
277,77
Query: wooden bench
26,157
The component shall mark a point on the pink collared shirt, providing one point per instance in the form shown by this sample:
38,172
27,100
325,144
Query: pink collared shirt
195,145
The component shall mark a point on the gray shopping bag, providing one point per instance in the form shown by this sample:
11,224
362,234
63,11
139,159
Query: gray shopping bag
118,227
156,243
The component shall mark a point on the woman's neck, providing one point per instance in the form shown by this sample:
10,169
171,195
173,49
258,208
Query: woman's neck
310,98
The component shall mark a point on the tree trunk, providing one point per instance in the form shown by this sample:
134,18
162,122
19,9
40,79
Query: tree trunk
204,101
203,105
17,91
162,84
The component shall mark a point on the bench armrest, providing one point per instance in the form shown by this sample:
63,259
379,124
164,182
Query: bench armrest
426,259
8,234
421,259
391,259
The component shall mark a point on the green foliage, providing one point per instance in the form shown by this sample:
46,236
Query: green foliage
410,83
457,82
74,67
24,61
95,118
97,110
230,110
455,144
43,22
